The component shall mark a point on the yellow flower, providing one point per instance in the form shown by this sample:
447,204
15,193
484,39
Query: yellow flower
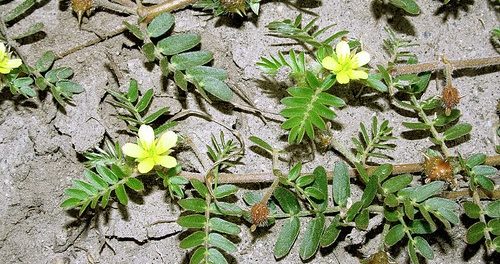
346,66
150,151
6,63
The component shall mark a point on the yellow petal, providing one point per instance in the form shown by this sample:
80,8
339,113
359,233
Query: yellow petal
343,51
2,49
329,63
146,165
4,70
166,142
356,75
14,63
342,77
167,161
360,59
134,151
146,136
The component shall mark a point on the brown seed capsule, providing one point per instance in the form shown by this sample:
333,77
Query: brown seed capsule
234,6
450,97
380,257
81,6
259,213
438,169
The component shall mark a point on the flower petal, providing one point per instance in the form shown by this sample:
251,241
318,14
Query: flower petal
146,165
342,77
357,74
167,161
2,49
360,59
146,136
329,63
14,63
4,70
343,51
134,151
166,142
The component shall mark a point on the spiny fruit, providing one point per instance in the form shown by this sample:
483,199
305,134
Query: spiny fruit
380,257
438,169
450,97
234,6
259,213
80,7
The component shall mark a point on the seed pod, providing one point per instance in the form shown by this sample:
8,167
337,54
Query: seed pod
80,7
259,213
380,257
438,169
234,6
450,97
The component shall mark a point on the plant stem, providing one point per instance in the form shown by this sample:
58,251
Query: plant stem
439,65
433,130
115,7
148,13
269,176
340,148
487,237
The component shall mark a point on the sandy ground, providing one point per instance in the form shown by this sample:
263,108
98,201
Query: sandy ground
41,146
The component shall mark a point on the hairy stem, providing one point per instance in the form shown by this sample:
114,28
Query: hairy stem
433,130
148,13
440,65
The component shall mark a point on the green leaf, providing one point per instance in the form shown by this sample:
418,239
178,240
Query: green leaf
224,226
412,253
121,194
149,51
192,221
472,210
443,119
188,60
134,30
475,233
287,200
370,191
160,25
407,5
416,126
485,182
423,248
295,172
261,143
493,209
69,87
195,239
484,170
217,240
45,62
457,131
133,91
397,183
152,117
215,257
375,82
408,208
33,29
382,172
76,193
321,184
199,187
446,208
494,226
165,70
58,74
341,184
199,256
107,174
180,80
135,184
312,235
476,159
225,190
193,204
496,244
20,9
201,72
395,234
315,193
391,200
217,88
144,101
421,193
41,83
252,198
362,219
287,237
178,43
225,209
70,203
305,180
331,233
105,198
353,211
27,91
420,226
